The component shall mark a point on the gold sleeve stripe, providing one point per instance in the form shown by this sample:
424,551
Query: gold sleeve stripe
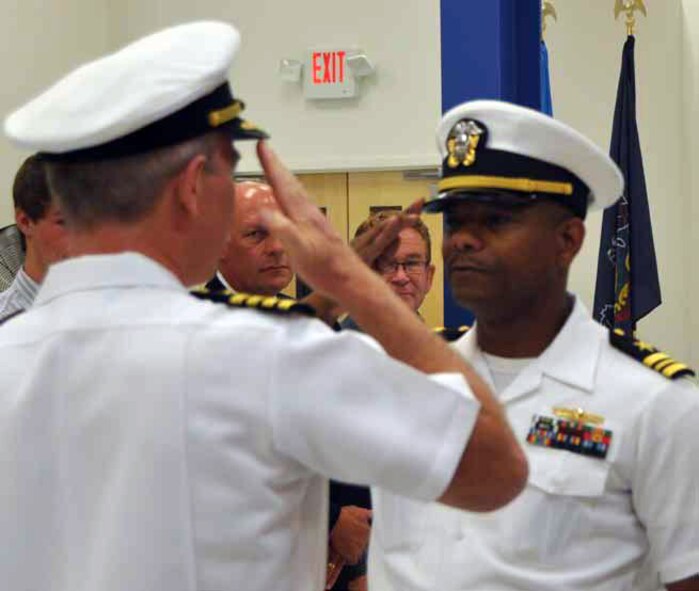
505,183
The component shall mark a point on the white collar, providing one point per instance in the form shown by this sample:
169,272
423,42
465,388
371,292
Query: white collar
571,357
128,269
25,285
222,279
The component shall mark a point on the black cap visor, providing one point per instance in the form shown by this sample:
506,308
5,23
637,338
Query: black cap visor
242,129
498,197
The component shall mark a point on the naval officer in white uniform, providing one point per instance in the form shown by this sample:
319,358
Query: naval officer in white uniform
609,424
154,442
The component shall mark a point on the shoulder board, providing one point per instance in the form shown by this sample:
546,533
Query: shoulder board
450,334
649,355
10,316
257,302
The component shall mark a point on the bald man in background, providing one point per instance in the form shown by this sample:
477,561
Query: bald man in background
254,261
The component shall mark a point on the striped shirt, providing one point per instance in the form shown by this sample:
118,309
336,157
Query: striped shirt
19,296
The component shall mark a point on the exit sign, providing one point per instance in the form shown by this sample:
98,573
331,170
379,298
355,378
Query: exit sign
327,76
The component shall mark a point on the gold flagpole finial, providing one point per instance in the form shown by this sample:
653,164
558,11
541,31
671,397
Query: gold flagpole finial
547,9
629,7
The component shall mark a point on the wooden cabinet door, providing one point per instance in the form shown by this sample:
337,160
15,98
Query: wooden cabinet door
329,192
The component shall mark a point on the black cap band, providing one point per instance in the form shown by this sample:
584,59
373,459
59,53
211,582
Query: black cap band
514,177
217,110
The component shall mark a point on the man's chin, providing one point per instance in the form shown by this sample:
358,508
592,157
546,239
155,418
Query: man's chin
276,282
410,301
474,300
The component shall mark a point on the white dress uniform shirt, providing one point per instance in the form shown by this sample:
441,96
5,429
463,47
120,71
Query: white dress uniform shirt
628,522
19,295
154,442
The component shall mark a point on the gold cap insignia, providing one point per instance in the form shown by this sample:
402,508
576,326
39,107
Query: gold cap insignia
462,143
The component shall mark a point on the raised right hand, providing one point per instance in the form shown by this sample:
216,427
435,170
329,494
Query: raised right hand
317,252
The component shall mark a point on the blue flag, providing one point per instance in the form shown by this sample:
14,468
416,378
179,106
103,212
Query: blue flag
627,286
546,104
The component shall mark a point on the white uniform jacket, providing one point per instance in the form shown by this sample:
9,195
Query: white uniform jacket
627,522
154,442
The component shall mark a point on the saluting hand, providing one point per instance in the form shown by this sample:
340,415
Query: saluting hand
317,252
371,244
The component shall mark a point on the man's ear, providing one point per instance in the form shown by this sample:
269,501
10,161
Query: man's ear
430,276
189,187
570,235
24,222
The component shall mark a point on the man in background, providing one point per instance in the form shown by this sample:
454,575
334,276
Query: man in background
407,264
43,231
254,262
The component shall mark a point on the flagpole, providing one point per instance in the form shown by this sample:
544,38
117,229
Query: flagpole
628,283
546,103
547,10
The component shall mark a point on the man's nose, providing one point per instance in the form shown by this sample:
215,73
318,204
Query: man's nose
399,275
274,246
465,238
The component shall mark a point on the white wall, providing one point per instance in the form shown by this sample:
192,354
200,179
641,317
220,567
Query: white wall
690,165
39,41
585,48
390,125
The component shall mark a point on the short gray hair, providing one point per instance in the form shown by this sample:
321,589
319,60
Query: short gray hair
122,189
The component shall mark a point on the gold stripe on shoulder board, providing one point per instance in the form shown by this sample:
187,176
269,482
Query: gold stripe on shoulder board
256,302
649,355
450,334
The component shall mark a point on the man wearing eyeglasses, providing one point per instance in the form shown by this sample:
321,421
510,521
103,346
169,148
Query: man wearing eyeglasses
407,264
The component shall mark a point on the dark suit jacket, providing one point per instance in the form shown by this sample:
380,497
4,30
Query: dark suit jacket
215,284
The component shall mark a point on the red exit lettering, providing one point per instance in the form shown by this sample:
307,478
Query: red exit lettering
328,67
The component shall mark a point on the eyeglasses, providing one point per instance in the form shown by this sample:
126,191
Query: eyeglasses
410,267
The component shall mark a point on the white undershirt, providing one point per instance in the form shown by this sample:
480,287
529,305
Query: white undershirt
504,370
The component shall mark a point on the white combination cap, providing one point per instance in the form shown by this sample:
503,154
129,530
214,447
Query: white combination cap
499,152
165,88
